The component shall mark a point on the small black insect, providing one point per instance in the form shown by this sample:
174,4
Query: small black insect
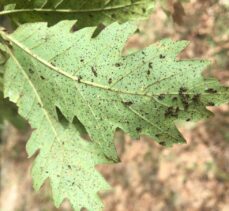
171,111
162,56
53,64
94,71
79,78
162,143
138,129
196,98
182,90
211,104
185,103
161,97
211,90
174,99
113,15
168,111
42,77
148,72
127,103
151,65
110,81
118,64
31,71
184,97
177,110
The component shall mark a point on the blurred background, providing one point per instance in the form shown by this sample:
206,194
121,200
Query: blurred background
189,177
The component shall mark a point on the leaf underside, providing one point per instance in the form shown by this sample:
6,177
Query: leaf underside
65,158
89,78
88,13
142,93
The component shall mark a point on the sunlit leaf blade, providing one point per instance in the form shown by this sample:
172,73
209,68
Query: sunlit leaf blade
89,13
69,163
141,93
64,157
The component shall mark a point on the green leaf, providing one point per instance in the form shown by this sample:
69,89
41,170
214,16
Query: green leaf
89,13
142,93
64,157
3,58
69,162
8,111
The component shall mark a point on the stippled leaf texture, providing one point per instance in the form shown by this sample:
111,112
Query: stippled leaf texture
64,157
88,78
88,13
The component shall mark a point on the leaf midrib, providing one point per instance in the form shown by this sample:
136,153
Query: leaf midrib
89,83
42,107
66,74
69,10
74,78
